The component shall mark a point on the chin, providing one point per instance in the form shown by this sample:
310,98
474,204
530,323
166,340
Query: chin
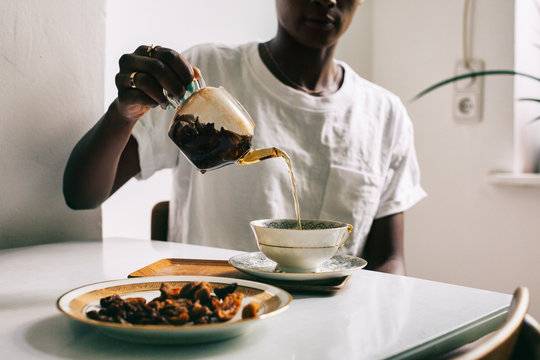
317,38
318,43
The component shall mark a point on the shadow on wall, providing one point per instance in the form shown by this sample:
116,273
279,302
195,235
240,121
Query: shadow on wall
34,209
16,232
51,71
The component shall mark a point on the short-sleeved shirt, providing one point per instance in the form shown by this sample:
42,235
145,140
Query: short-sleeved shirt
352,153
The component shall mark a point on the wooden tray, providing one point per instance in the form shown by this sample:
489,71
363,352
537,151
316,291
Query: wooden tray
200,267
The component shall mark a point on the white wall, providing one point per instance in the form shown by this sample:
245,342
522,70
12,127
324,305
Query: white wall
51,81
131,23
527,60
467,231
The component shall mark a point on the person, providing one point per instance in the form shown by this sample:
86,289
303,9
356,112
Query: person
350,141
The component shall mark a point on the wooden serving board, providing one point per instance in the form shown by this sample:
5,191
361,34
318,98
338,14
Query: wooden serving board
203,267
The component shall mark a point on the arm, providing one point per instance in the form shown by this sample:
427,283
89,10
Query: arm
101,162
384,245
107,155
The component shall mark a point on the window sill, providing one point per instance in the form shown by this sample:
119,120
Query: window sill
514,179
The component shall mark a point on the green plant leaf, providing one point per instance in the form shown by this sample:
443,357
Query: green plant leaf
529,99
534,120
533,100
472,75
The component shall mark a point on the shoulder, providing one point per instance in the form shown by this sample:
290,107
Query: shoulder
373,95
380,102
209,52
382,109
220,64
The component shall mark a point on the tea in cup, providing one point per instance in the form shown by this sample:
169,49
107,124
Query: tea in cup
300,250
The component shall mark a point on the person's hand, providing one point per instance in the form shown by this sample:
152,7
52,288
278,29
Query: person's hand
144,75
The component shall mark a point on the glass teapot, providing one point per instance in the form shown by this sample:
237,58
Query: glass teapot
212,129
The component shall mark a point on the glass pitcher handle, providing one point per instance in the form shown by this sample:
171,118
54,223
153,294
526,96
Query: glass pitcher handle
193,87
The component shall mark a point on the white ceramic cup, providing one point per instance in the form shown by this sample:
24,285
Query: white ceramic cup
302,250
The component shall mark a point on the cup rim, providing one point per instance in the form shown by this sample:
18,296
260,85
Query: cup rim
262,223
297,247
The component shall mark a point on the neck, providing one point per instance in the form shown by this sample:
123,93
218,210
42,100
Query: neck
307,69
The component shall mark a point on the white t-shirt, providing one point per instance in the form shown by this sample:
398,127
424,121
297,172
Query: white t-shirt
352,153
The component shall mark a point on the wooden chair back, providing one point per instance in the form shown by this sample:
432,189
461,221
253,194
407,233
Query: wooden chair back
160,221
500,344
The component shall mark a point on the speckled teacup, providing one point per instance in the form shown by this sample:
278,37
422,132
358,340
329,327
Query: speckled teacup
302,250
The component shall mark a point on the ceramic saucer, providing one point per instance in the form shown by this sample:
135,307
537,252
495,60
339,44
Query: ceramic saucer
258,265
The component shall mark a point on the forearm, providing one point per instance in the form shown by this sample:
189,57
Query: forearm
384,245
393,265
89,177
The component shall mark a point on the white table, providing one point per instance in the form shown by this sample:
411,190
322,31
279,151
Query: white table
374,316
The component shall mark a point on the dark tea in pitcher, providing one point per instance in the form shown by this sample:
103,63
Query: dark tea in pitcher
206,147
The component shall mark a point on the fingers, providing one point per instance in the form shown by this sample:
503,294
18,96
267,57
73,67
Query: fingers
196,73
152,70
140,88
181,67
155,68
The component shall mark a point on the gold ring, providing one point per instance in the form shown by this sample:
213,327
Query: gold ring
132,79
151,50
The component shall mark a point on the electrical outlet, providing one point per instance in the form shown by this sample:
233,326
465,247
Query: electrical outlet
468,93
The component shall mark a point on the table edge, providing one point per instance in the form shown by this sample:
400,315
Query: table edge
462,335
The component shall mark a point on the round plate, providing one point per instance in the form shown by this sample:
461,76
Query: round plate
257,264
77,302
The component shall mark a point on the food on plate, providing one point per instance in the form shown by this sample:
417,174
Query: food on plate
251,310
229,306
197,302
